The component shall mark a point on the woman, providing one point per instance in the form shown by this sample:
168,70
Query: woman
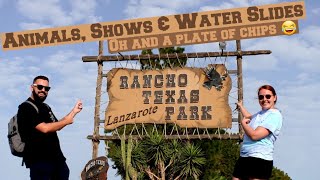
261,131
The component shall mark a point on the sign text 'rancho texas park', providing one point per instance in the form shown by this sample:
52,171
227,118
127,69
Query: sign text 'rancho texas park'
189,97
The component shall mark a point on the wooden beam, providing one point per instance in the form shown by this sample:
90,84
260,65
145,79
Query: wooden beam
102,121
232,72
95,143
201,136
240,84
174,56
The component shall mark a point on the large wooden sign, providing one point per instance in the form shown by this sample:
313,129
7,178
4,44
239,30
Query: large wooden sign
180,29
189,97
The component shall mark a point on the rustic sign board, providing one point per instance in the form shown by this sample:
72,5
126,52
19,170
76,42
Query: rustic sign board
225,24
189,97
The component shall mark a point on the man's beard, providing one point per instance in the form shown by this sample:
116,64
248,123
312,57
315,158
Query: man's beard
37,98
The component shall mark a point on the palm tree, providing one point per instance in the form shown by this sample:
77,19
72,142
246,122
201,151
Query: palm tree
158,152
158,158
191,161
162,63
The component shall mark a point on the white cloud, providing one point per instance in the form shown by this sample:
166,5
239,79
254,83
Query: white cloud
236,4
13,80
260,62
146,8
240,3
291,49
224,5
316,11
49,11
304,76
30,26
309,102
53,12
133,11
263,2
186,4
177,4
67,73
84,10
310,34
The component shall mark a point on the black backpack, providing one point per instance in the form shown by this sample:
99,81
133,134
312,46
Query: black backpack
15,142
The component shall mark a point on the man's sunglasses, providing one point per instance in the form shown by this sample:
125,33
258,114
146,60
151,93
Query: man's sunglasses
40,87
268,96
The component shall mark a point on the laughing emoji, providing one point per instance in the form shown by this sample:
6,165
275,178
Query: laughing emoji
289,27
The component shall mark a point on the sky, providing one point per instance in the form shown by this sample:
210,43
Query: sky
292,69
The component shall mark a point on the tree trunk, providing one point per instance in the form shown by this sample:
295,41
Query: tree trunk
162,170
150,174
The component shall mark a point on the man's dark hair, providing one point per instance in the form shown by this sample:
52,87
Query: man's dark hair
40,77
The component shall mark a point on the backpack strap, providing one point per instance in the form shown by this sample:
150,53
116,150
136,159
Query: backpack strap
36,108
33,105
47,106
52,116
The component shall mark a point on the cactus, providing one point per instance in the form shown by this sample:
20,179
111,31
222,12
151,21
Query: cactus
126,158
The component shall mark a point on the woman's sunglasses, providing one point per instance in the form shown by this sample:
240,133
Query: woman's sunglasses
261,97
40,87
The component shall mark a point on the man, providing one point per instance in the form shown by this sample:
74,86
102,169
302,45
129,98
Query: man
42,153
